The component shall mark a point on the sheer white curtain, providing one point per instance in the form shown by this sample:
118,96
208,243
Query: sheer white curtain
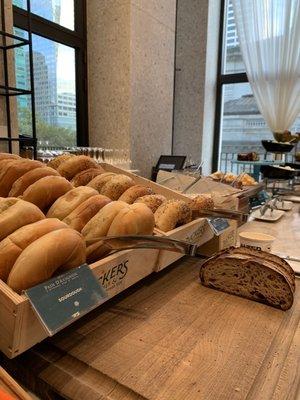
269,36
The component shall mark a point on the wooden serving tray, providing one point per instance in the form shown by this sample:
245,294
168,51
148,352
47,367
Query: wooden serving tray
20,328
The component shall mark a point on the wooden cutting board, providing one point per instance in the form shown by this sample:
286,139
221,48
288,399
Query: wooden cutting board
172,339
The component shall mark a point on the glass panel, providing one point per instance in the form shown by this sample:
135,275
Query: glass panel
232,57
58,11
55,92
242,126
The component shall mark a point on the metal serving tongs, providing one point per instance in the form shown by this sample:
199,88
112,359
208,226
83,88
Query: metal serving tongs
115,244
128,242
222,213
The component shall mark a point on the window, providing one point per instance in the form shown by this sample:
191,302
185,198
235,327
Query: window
239,126
59,70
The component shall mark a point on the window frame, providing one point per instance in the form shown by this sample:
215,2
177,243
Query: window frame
77,39
222,79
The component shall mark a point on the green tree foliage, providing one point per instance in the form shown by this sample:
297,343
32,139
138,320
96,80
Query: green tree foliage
55,135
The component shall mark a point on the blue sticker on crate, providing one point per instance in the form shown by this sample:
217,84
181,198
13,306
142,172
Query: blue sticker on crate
218,225
65,298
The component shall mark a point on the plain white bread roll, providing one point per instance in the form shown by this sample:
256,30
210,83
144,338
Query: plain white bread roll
15,213
13,170
136,219
134,192
8,156
99,181
74,165
59,251
13,245
65,204
99,225
46,191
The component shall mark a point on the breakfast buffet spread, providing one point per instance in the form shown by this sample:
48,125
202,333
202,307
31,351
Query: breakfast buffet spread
52,219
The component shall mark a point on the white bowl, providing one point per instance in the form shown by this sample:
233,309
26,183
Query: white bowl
257,240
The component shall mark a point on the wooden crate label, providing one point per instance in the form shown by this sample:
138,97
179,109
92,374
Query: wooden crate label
114,276
65,298
218,225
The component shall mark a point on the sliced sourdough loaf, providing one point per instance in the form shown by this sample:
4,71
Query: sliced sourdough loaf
252,274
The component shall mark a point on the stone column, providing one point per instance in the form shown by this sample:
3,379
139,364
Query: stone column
131,68
195,82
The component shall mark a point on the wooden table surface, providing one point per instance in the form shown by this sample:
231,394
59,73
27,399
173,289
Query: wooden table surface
169,338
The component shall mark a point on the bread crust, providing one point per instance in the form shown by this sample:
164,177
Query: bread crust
58,250
56,161
153,201
134,192
172,213
21,184
99,225
66,203
8,156
84,177
79,217
254,276
99,181
13,170
116,186
13,245
71,167
202,202
45,191
15,213
136,219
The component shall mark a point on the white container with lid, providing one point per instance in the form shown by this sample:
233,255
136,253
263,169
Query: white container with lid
257,240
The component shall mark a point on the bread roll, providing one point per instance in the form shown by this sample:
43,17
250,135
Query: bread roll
79,217
99,225
99,181
254,276
65,204
96,251
84,177
21,184
62,249
136,219
134,192
74,165
116,186
13,245
153,201
45,191
171,214
202,202
15,213
13,171
7,156
56,161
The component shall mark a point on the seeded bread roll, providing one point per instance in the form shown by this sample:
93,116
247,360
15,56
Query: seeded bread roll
136,219
254,276
84,177
15,213
21,184
79,217
99,225
74,165
56,161
99,181
116,186
171,214
13,171
65,204
57,251
202,202
13,245
153,201
134,192
7,156
45,191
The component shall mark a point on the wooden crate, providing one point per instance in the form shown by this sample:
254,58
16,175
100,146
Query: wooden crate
20,328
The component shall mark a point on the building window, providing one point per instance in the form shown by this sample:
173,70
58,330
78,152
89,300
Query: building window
239,126
59,47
